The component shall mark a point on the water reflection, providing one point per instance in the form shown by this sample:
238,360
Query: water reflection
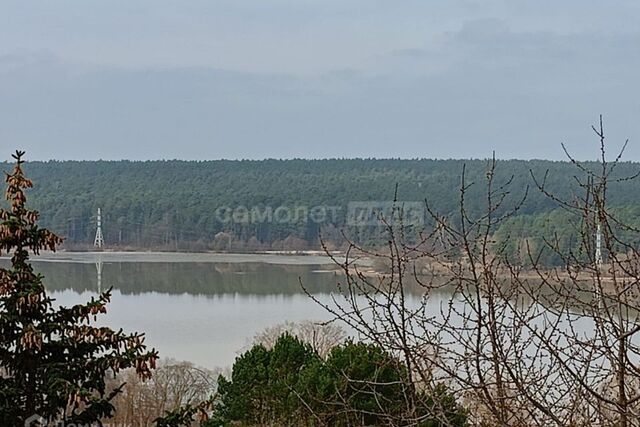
204,312
198,311
189,277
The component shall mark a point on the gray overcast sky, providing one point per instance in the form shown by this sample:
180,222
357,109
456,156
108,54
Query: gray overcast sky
207,79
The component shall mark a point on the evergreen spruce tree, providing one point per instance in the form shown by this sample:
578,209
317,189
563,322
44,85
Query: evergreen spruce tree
53,361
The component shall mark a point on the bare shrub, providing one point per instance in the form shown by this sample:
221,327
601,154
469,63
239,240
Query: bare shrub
173,385
321,336
535,346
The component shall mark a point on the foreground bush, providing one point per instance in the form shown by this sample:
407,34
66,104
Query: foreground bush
357,384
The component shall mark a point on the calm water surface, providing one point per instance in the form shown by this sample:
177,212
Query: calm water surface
197,307
204,308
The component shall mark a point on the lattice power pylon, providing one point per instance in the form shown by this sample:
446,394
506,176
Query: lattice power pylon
99,240
598,247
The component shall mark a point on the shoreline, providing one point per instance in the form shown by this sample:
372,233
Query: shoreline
266,257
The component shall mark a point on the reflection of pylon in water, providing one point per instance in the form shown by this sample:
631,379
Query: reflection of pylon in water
99,240
99,271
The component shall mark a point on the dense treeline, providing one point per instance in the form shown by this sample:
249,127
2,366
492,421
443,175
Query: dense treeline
270,204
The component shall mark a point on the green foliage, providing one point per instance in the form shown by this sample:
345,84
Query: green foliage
357,384
367,380
263,384
53,362
245,398
288,358
139,199
549,236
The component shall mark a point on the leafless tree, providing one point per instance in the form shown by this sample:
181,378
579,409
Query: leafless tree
173,385
321,336
534,346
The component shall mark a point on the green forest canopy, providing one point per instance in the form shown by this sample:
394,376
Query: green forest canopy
186,204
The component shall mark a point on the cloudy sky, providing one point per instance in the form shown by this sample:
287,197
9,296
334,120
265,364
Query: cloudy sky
209,79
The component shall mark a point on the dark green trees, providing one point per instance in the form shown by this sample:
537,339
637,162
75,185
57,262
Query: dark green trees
357,384
138,198
53,363
264,384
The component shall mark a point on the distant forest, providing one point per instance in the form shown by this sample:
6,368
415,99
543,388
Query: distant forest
273,204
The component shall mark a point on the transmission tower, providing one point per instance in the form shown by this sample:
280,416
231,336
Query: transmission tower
99,240
598,247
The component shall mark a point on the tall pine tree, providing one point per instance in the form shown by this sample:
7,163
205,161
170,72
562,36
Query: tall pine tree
53,360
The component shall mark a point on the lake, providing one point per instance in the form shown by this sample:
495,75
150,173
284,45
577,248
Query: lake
204,308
